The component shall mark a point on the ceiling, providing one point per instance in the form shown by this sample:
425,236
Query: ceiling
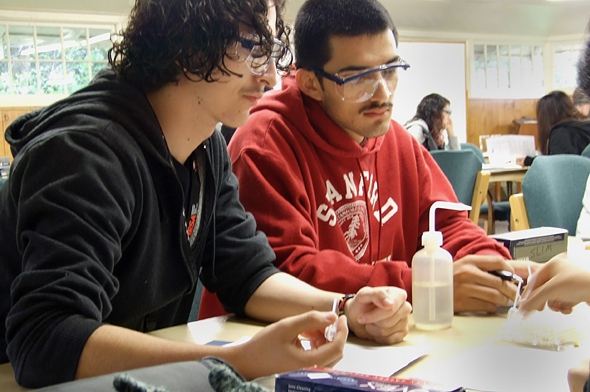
432,18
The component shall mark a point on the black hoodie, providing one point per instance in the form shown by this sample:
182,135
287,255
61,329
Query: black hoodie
570,137
92,230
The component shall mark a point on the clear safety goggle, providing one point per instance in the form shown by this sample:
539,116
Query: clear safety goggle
359,86
249,50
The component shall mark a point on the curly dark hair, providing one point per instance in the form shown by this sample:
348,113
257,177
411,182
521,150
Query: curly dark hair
552,109
319,20
579,97
430,109
584,65
166,38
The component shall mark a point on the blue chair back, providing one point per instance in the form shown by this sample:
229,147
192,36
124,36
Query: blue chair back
553,189
501,208
461,168
194,314
586,151
475,149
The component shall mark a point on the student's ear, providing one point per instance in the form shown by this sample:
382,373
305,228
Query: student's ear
309,84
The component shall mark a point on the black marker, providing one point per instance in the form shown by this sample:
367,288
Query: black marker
506,275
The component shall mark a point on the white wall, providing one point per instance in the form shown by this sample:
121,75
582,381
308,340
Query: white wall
434,68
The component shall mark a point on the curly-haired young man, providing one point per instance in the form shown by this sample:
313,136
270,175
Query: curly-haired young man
122,195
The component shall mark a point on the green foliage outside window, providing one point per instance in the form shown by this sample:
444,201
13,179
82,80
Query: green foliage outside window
50,59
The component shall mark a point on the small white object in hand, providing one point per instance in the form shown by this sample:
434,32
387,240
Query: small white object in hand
330,331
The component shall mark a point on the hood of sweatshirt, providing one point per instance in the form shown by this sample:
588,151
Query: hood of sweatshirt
107,96
419,122
311,119
577,125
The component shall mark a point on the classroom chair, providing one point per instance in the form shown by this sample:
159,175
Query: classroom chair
586,151
463,170
194,314
552,193
475,149
500,210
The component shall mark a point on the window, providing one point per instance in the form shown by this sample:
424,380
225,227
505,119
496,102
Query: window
565,59
46,59
509,70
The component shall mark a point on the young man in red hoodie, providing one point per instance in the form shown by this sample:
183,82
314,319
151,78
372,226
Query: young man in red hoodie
342,191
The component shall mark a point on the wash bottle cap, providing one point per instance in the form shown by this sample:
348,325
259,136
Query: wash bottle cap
433,238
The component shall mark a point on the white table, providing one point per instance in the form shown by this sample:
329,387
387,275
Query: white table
467,333
509,173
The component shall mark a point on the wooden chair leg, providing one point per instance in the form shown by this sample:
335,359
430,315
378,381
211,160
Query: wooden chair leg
489,226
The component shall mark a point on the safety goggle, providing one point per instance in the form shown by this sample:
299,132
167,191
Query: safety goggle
250,51
360,86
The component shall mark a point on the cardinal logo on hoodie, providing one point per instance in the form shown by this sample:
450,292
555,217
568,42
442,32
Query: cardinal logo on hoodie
354,221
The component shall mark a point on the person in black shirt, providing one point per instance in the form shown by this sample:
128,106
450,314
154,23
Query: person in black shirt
562,129
121,197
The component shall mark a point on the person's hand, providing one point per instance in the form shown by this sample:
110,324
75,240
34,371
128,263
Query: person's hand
521,267
379,313
449,126
577,376
439,138
520,161
477,290
559,284
277,348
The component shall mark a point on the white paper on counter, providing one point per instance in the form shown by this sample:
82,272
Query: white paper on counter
493,368
382,361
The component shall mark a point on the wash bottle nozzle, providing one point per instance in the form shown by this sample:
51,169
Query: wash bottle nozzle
433,238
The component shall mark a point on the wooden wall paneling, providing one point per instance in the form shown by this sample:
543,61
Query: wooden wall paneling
495,116
530,129
484,117
8,115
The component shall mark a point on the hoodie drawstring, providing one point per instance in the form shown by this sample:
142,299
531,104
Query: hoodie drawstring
373,258
378,204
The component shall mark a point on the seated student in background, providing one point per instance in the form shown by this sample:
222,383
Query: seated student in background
121,196
431,121
581,102
562,129
342,191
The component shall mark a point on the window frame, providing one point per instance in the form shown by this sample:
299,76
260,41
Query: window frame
548,45
553,44
113,23
511,92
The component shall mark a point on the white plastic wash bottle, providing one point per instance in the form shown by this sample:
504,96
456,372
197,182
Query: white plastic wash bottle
432,276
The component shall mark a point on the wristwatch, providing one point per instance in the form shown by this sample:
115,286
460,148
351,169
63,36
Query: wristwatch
342,302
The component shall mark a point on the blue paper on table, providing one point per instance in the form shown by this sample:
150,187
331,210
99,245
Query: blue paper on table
218,343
